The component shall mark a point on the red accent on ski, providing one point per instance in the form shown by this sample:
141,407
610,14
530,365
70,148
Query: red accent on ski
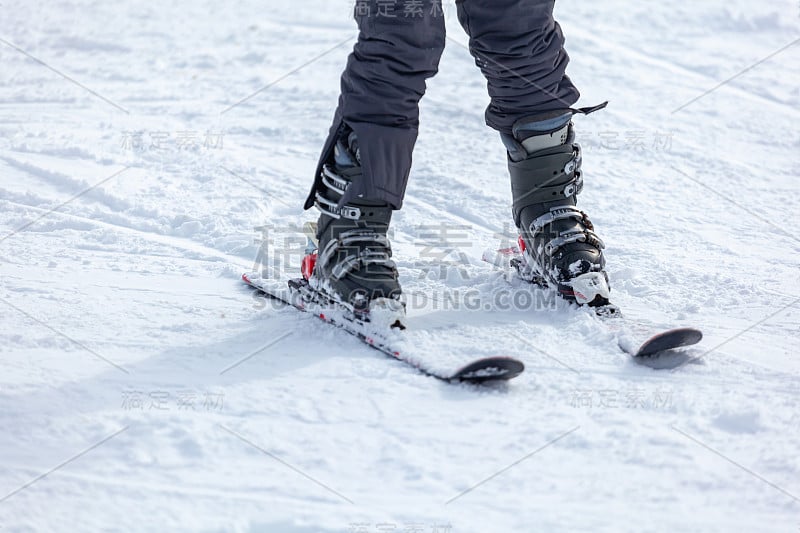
513,250
307,266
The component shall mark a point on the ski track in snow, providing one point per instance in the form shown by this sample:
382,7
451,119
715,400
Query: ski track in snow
123,315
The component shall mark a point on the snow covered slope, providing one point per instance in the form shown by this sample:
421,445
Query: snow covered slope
144,388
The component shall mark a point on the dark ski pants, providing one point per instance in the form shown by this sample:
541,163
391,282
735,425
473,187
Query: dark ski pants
516,44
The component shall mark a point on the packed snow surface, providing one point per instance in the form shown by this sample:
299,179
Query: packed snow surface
152,152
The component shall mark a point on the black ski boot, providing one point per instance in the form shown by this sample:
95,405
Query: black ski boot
560,248
353,264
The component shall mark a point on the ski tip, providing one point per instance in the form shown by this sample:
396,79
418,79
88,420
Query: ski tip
669,340
490,369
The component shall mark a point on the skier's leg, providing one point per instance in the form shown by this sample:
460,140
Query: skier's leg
398,48
364,166
519,48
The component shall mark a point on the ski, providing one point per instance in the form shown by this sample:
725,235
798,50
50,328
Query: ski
386,336
669,340
634,337
639,340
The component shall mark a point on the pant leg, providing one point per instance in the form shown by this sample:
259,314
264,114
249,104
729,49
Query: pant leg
519,47
399,46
